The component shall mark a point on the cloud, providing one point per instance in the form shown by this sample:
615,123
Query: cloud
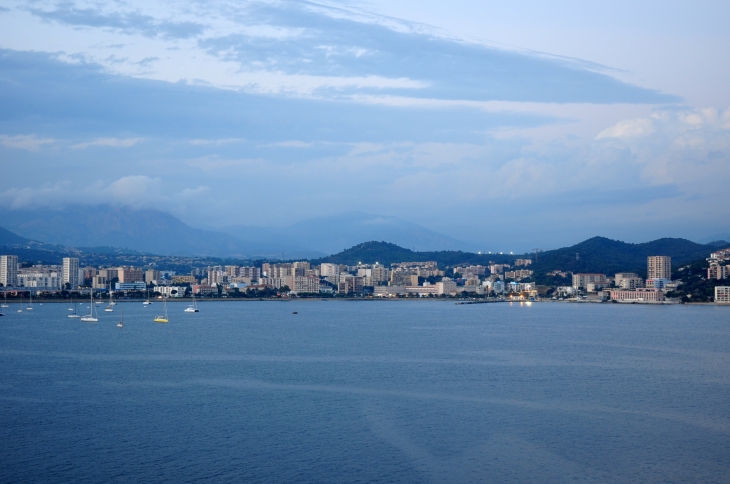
628,129
110,142
24,142
138,191
125,22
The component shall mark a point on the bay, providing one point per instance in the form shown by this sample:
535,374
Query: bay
383,391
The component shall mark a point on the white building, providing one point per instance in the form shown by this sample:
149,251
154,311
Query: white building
446,287
9,270
329,270
40,279
70,272
171,291
628,280
722,294
639,295
581,280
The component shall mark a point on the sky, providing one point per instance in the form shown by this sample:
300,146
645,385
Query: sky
508,124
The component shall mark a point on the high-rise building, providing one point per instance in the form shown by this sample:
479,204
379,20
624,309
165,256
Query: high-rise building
70,272
9,270
659,267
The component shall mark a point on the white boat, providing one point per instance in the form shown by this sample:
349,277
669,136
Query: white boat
91,317
121,321
162,319
5,304
147,302
110,307
193,308
30,302
75,313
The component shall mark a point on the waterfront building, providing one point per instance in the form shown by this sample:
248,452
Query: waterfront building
639,295
722,294
99,282
628,281
581,280
204,289
165,291
40,277
136,286
70,272
350,284
305,284
659,267
9,270
446,287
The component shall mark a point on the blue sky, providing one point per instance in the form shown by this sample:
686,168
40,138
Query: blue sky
515,126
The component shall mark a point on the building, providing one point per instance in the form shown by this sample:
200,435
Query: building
403,278
581,280
722,294
523,262
628,281
40,277
70,272
721,255
639,295
446,287
151,276
183,280
130,274
9,270
201,289
306,284
659,267
99,282
498,268
658,283
167,291
329,270
350,284
133,286
716,271
518,274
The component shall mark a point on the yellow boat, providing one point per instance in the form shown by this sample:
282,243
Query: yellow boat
162,319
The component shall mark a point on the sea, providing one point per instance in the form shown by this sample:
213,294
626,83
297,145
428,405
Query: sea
366,392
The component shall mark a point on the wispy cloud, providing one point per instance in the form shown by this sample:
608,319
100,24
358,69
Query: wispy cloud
124,22
108,142
24,142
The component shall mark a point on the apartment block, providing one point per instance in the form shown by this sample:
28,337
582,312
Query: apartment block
722,294
70,272
659,267
152,276
350,284
329,270
9,270
523,262
581,280
306,284
628,281
716,271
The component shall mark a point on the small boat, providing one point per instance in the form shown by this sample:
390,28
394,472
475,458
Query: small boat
121,321
91,317
1,314
294,312
162,319
5,304
30,302
110,307
75,313
147,302
193,308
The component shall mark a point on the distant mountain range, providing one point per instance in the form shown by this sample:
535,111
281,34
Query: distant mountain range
157,232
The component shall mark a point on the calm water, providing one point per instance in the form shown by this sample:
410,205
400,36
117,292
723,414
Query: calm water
367,392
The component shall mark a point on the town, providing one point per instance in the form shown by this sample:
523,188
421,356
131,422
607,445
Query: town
496,281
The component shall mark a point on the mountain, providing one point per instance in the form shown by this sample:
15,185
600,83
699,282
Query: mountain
150,231
600,254
334,233
9,238
386,253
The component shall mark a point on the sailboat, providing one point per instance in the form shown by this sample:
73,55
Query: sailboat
30,302
75,313
162,319
110,307
121,321
5,304
147,302
91,317
193,308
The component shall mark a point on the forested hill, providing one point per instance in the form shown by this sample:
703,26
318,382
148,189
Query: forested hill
607,256
386,253
598,254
